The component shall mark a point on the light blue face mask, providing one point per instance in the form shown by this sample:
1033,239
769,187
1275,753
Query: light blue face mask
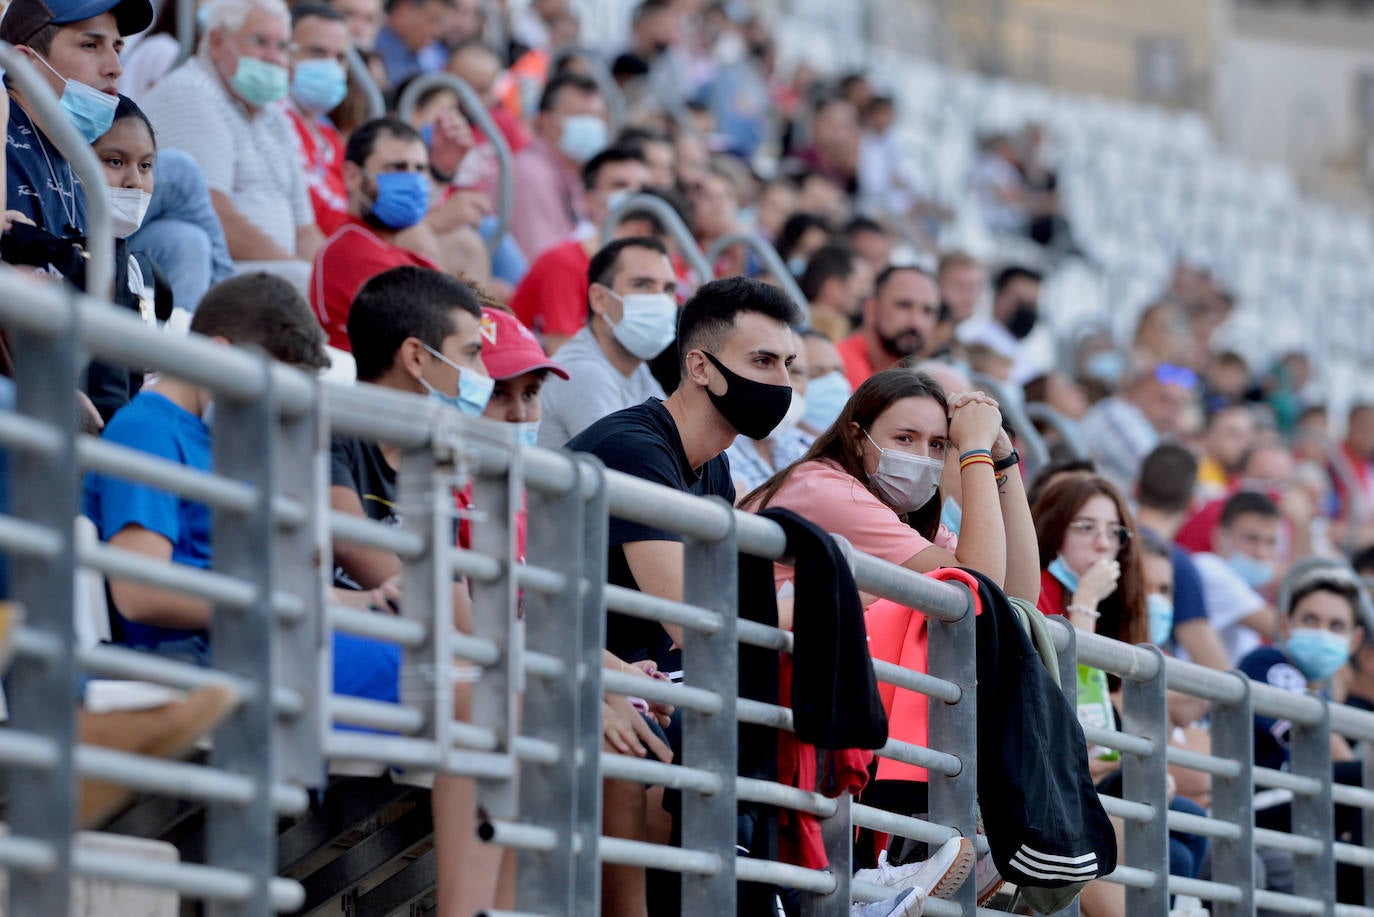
1318,653
1256,573
583,137
1060,571
319,85
797,265
951,515
474,389
1106,366
1161,618
826,397
527,434
258,82
90,110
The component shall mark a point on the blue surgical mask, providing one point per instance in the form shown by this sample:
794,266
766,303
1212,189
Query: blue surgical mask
1256,573
1106,366
796,265
474,389
527,434
951,515
1161,618
402,199
1059,569
826,397
1318,653
427,134
583,137
648,323
90,110
319,85
258,82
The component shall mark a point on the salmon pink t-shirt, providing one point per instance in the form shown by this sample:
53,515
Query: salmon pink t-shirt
829,496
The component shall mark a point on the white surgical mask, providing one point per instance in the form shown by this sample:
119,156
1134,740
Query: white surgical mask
128,206
648,323
905,482
795,412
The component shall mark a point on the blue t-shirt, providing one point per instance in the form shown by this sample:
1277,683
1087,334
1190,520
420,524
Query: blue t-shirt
1268,665
151,423
39,181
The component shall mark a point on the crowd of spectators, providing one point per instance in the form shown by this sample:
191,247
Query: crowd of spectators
255,200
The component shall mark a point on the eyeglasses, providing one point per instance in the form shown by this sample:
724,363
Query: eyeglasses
259,43
1172,374
1086,528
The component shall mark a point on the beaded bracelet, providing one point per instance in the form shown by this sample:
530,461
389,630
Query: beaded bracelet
973,452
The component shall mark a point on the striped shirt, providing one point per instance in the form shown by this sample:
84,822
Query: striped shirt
254,160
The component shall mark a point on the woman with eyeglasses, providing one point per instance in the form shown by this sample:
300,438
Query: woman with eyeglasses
1090,563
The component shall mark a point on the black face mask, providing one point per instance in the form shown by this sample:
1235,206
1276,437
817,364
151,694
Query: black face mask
752,408
1023,318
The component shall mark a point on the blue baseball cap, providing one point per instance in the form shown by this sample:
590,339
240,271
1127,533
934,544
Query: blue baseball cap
25,18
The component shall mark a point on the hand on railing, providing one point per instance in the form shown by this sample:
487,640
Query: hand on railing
625,731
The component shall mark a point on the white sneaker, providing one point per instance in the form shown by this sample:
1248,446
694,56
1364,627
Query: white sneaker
938,877
910,903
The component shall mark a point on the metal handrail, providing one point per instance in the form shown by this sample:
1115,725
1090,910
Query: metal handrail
100,267
772,261
186,29
476,111
1069,433
648,203
360,76
1037,453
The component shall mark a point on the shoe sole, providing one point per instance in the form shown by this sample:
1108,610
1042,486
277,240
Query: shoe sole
958,872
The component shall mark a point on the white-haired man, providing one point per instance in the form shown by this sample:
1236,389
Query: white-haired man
223,107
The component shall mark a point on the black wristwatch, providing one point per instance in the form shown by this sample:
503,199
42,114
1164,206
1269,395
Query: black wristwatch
1013,458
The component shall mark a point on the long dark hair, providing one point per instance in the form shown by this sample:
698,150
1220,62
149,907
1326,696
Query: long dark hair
1124,615
839,445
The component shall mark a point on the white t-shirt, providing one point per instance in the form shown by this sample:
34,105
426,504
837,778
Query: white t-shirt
594,389
255,162
1229,599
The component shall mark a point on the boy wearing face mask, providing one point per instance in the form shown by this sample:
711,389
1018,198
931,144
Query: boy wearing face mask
319,83
632,318
1319,629
75,47
1239,568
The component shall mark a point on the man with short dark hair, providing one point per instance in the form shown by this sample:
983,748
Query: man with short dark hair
1164,495
631,317
735,345
1240,564
409,41
899,318
74,47
319,82
1227,440
552,299
835,283
569,129
386,172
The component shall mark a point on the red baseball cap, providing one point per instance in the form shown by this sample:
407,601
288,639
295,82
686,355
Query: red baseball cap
509,349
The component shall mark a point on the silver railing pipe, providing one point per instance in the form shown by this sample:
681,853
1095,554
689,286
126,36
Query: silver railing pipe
664,212
772,262
360,76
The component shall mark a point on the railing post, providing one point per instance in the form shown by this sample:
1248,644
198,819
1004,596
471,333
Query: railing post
423,487
710,580
1367,815
591,638
1309,750
548,793
954,729
1233,861
244,837
837,833
300,570
1145,714
495,503
43,691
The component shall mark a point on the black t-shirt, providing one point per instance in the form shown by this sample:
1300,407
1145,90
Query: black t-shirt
643,440
361,467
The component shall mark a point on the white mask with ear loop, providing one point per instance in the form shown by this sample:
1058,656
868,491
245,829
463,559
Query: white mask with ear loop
905,482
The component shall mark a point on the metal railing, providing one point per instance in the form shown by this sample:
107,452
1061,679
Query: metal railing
536,637
477,112
772,262
676,228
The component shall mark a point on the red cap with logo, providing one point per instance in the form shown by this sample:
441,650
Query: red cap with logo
509,349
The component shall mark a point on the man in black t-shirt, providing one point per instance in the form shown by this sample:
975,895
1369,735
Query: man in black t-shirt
412,330
735,345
